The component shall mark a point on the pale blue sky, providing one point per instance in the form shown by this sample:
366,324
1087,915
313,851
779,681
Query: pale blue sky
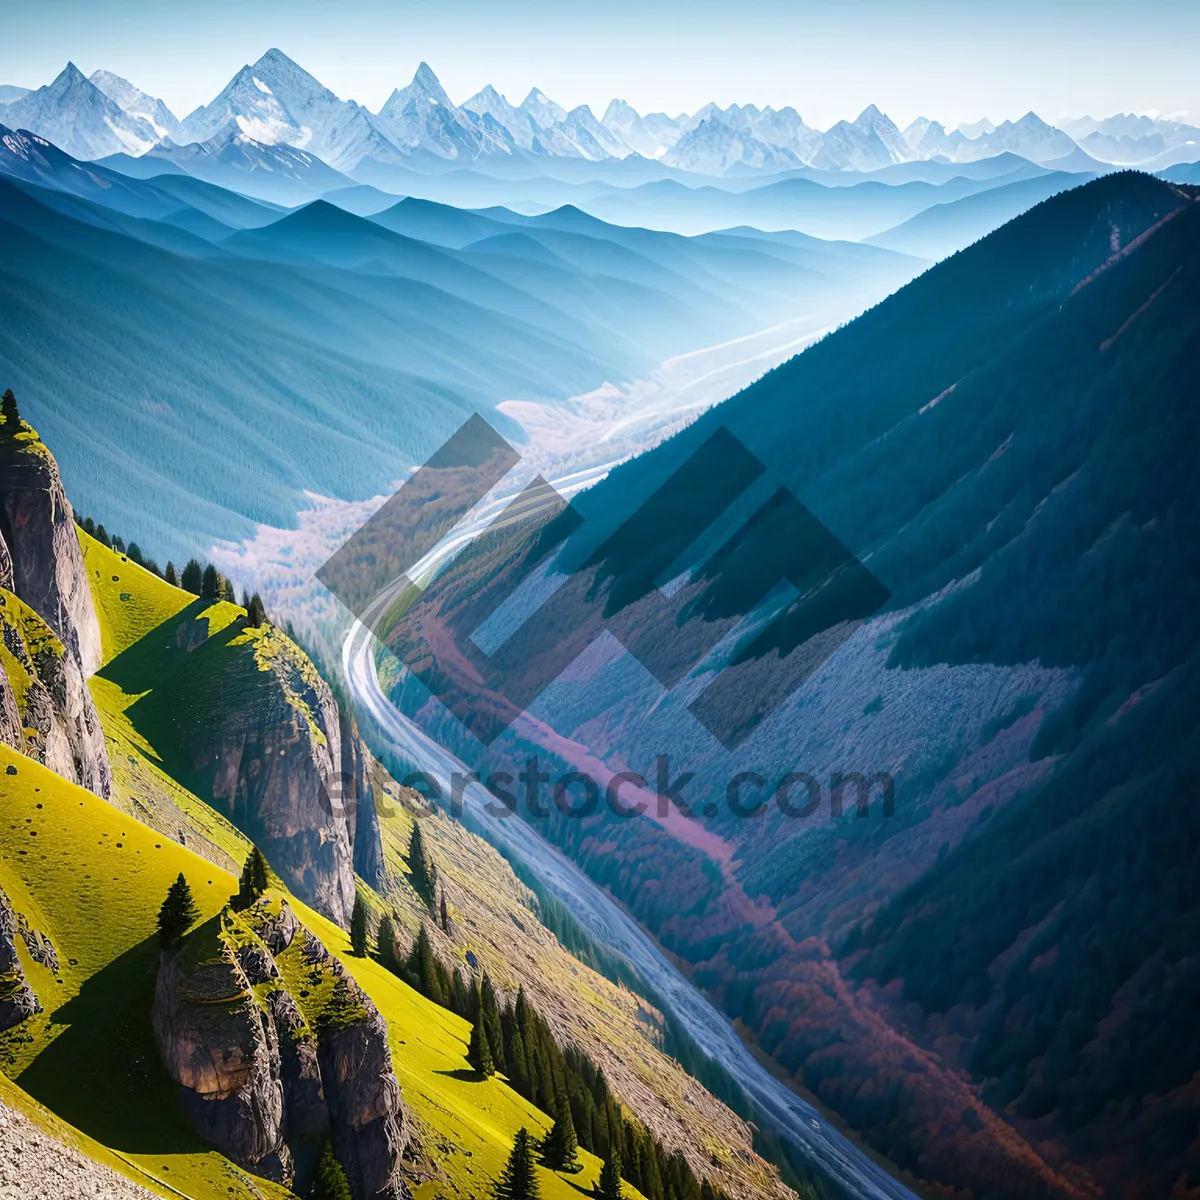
949,59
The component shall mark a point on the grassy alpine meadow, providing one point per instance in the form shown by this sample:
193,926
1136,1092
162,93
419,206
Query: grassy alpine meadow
92,879
130,601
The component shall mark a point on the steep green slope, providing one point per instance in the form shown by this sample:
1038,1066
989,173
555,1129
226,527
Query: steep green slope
130,601
92,880
139,617
164,684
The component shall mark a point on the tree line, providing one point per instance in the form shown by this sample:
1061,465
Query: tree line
512,1038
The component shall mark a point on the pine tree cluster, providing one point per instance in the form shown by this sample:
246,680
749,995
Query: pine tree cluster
514,1040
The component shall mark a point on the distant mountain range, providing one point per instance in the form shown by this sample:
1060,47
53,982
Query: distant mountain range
191,308
275,102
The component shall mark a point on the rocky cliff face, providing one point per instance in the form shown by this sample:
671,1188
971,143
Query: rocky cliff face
265,1057
219,1043
46,710
51,635
46,564
358,799
17,999
248,724
361,1089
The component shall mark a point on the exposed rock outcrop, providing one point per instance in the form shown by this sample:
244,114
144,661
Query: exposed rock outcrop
17,999
358,798
43,689
51,635
255,731
219,1043
38,528
361,1089
40,947
260,1067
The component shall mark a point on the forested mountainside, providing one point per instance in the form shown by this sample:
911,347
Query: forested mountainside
996,984
376,1001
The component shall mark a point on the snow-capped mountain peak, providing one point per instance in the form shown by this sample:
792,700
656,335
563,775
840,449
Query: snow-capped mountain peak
74,114
276,102
137,103
871,119
542,109
520,126
422,116
650,136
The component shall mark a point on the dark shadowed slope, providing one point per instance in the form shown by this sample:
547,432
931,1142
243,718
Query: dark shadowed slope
1008,442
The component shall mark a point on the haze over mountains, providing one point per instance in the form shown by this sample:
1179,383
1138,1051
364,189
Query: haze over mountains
218,311
938,378
276,102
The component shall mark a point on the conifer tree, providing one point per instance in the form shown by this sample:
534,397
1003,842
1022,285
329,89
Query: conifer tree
479,1054
460,998
210,584
358,927
89,527
135,554
118,544
254,881
102,535
609,1185
421,867
385,941
169,574
444,915
8,409
227,590
192,578
560,1147
490,1013
518,1180
256,612
424,967
329,1183
518,1065
177,914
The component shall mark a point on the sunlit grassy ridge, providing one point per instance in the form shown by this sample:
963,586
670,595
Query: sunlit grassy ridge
130,601
93,878
146,626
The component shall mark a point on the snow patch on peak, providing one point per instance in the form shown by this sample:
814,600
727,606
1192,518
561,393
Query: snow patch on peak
262,87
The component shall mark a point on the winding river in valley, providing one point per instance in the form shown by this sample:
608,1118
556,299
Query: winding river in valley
605,429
